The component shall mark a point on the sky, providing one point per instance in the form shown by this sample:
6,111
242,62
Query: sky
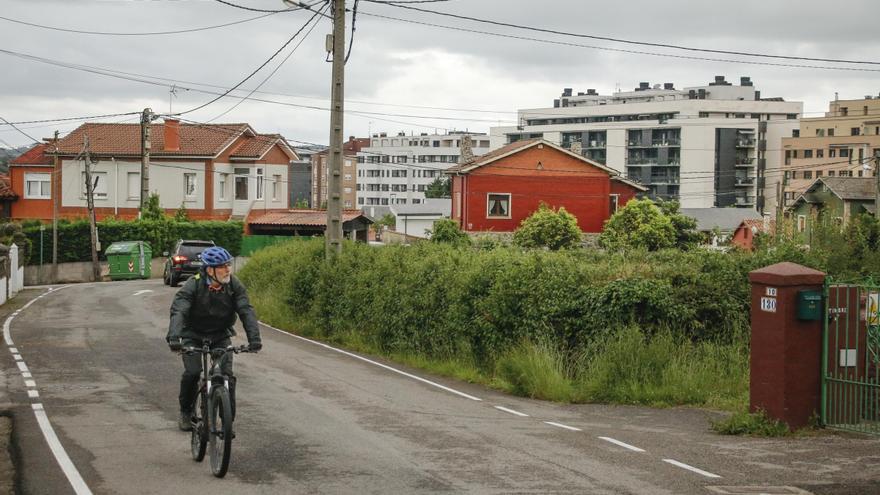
404,75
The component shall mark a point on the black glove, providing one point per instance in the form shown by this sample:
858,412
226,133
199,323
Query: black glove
175,345
255,346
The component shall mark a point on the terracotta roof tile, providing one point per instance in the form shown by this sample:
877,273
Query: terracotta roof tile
256,146
313,218
477,161
758,223
34,156
125,139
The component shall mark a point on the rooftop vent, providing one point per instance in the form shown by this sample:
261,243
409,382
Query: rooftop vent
566,92
719,81
745,81
592,92
668,86
643,86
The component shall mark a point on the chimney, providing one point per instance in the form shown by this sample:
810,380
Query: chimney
172,135
467,150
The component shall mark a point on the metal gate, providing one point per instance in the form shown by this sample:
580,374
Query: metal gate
851,358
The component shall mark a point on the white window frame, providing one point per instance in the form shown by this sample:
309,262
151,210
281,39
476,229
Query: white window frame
224,179
260,184
98,185
276,187
509,205
616,199
40,179
187,195
133,195
802,223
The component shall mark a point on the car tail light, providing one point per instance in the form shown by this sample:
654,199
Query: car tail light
179,259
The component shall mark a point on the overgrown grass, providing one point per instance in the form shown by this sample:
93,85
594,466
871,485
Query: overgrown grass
536,371
757,424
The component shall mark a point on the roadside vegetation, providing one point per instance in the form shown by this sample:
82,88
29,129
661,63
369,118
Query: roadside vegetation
636,324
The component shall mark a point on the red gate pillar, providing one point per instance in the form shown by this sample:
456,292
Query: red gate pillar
786,353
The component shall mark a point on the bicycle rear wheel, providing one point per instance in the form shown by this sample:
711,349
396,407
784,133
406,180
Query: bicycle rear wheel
220,424
199,435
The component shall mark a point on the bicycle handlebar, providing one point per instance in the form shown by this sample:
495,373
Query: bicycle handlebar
208,350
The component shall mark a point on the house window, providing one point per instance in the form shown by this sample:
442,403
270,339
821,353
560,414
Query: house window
808,174
348,203
854,131
133,180
260,182
276,187
224,178
498,205
241,184
844,152
802,223
38,186
808,153
615,198
832,153
189,186
347,176
831,173
99,184
830,132
820,153
347,190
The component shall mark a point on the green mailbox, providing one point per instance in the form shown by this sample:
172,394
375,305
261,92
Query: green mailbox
809,305
129,260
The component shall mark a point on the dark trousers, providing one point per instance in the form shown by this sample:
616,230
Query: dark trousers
192,371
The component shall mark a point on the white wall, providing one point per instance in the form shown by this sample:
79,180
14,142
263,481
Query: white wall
415,226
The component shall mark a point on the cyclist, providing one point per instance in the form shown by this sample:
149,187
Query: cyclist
205,308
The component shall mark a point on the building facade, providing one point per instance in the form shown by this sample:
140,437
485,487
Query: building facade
497,191
321,176
705,146
396,170
843,143
300,186
215,171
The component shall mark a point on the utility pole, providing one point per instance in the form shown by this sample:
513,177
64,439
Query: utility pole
877,185
336,44
56,190
779,202
90,201
146,119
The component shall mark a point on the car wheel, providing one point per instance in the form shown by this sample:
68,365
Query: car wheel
173,280
165,277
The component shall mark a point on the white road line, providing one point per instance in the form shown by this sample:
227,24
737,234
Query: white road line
21,366
560,425
624,445
76,481
6,337
17,357
26,374
30,383
691,468
389,368
511,411
13,350
33,394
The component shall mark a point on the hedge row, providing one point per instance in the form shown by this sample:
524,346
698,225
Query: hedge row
74,242
441,301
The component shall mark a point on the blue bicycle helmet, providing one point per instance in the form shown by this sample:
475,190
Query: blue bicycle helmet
216,256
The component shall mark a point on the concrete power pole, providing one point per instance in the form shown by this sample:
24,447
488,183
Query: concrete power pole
56,190
335,153
877,186
90,201
146,119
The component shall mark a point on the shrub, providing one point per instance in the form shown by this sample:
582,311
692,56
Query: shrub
638,225
757,424
447,231
546,227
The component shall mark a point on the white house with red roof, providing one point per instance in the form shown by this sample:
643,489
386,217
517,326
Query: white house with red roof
216,171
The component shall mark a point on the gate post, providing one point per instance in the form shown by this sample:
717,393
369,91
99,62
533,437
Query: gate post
786,352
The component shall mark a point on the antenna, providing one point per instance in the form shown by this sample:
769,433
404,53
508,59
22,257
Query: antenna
172,92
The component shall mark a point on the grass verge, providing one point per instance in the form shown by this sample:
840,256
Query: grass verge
756,424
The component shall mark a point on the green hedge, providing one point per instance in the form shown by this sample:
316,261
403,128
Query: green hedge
74,242
440,301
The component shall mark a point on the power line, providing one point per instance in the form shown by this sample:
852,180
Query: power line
21,131
150,33
225,93
619,50
621,40
251,9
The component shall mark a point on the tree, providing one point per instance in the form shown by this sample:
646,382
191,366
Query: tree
640,224
686,234
152,210
441,187
181,214
546,227
447,230
301,204
387,221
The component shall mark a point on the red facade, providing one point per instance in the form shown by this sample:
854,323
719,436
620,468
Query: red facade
501,189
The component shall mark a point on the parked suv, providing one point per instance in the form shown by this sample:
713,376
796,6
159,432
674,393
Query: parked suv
185,261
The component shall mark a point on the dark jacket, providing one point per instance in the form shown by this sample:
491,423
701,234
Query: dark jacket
199,313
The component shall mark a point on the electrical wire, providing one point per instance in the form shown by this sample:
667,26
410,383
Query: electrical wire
618,50
251,9
151,33
20,131
620,40
354,13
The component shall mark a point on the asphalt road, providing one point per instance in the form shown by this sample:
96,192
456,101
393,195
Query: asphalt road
315,420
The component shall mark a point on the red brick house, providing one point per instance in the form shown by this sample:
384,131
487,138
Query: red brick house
498,190
744,235
216,171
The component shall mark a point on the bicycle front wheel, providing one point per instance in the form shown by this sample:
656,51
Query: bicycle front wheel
199,434
220,423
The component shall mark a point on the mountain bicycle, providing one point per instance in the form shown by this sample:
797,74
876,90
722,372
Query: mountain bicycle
212,412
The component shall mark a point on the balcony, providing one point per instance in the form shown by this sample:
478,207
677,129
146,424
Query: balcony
745,181
745,200
595,144
637,143
658,143
664,180
744,161
745,143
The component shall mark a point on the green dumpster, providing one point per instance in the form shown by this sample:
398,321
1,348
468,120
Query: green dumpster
129,260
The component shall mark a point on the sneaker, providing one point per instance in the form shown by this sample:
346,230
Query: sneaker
185,421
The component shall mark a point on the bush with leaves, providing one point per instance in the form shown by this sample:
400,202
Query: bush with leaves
447,230
181,215
546,227
686,234
152,210
640,224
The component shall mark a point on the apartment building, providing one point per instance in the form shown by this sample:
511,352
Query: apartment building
705,146
320,170
396,170
843,143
